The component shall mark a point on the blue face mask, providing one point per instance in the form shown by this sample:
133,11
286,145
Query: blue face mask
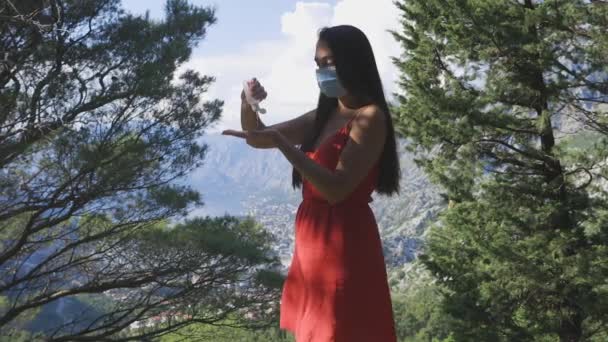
329,83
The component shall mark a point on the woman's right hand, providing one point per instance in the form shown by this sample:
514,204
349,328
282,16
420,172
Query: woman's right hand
257,91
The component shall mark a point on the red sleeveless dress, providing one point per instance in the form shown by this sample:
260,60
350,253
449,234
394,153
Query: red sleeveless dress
336,288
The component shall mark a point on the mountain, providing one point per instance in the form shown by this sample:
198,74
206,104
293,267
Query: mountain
240,180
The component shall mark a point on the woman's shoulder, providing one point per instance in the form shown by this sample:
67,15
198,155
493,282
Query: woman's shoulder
372,109
370,115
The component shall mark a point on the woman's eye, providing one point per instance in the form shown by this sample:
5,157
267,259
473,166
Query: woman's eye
327,63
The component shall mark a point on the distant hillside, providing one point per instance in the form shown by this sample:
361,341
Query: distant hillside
240,180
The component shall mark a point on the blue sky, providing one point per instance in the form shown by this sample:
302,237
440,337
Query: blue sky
239,21
275,43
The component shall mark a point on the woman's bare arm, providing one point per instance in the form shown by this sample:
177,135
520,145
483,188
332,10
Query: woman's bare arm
295,130
364,147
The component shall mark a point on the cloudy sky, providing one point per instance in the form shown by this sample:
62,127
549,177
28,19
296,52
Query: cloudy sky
275,42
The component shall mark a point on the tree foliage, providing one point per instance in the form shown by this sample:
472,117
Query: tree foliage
98,122
507,101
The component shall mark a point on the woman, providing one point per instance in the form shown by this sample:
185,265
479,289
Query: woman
336,288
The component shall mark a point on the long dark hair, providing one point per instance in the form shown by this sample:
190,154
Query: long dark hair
358,73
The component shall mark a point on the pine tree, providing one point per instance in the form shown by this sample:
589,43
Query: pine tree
99,124
489,89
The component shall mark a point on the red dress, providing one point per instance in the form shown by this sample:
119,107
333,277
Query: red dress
336,287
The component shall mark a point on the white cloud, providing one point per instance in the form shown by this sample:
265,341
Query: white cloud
286,68
298,23
374,21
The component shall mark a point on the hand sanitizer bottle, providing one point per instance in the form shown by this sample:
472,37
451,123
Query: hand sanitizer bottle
253,102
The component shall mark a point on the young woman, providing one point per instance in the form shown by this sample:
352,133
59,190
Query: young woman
336,288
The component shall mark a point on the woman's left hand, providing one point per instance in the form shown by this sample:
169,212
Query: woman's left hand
262,138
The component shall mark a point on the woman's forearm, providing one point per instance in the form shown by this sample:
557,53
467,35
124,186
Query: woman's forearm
323,179
250,120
